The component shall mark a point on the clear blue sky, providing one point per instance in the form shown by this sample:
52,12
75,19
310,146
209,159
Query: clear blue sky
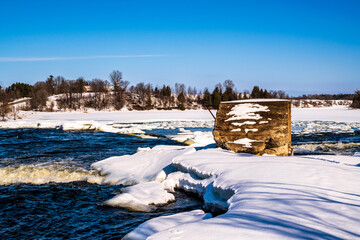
295,46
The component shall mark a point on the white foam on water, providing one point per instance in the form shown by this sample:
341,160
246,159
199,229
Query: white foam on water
42,174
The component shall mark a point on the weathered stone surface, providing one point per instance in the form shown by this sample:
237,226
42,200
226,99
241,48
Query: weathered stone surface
256,126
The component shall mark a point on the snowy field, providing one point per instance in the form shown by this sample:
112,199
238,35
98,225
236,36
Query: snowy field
338,114
263,197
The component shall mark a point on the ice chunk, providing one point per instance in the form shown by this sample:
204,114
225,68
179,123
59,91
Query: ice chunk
142,197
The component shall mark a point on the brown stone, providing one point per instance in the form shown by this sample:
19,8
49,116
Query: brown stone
256,126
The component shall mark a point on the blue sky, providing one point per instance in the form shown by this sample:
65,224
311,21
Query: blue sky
295,46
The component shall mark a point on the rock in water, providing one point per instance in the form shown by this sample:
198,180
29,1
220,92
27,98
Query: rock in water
256,126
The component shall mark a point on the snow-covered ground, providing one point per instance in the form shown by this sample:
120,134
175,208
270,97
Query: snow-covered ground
336,114
264,197
268,197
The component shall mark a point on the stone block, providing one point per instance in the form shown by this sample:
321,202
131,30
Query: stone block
256,126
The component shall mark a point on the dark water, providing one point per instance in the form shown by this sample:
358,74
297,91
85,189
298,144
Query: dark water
332,143
68,210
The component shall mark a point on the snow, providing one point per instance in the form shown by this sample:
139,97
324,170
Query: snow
246,111
118,116
245,141
258,100
145,165
142,197
266,197
165,223
336,114
251,130
270,197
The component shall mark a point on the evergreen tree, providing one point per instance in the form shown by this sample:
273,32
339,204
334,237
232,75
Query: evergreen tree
50,85
216,98
206,101
181,98
255,93
356,100
18,90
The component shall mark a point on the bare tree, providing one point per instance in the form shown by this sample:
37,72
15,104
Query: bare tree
4,104
39,96
120,87
101,98
116,78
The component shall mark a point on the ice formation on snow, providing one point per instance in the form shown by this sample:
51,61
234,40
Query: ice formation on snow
142,197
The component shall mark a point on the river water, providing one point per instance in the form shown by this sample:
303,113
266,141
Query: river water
48,190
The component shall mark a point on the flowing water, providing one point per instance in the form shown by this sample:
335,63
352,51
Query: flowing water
49,191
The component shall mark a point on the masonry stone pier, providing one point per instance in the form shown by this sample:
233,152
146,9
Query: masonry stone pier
256,126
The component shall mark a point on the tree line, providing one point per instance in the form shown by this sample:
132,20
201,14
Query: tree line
116,93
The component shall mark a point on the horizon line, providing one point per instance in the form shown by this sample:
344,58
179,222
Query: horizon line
38,59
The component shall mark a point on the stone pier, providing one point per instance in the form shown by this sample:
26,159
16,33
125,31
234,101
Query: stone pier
256,126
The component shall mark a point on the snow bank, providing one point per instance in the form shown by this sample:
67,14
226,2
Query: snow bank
164,223
142,197
118,116
145,165
268,197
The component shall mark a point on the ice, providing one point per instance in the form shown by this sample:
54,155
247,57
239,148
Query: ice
187,182
145,165
195,139
165,223
142,197
79,125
